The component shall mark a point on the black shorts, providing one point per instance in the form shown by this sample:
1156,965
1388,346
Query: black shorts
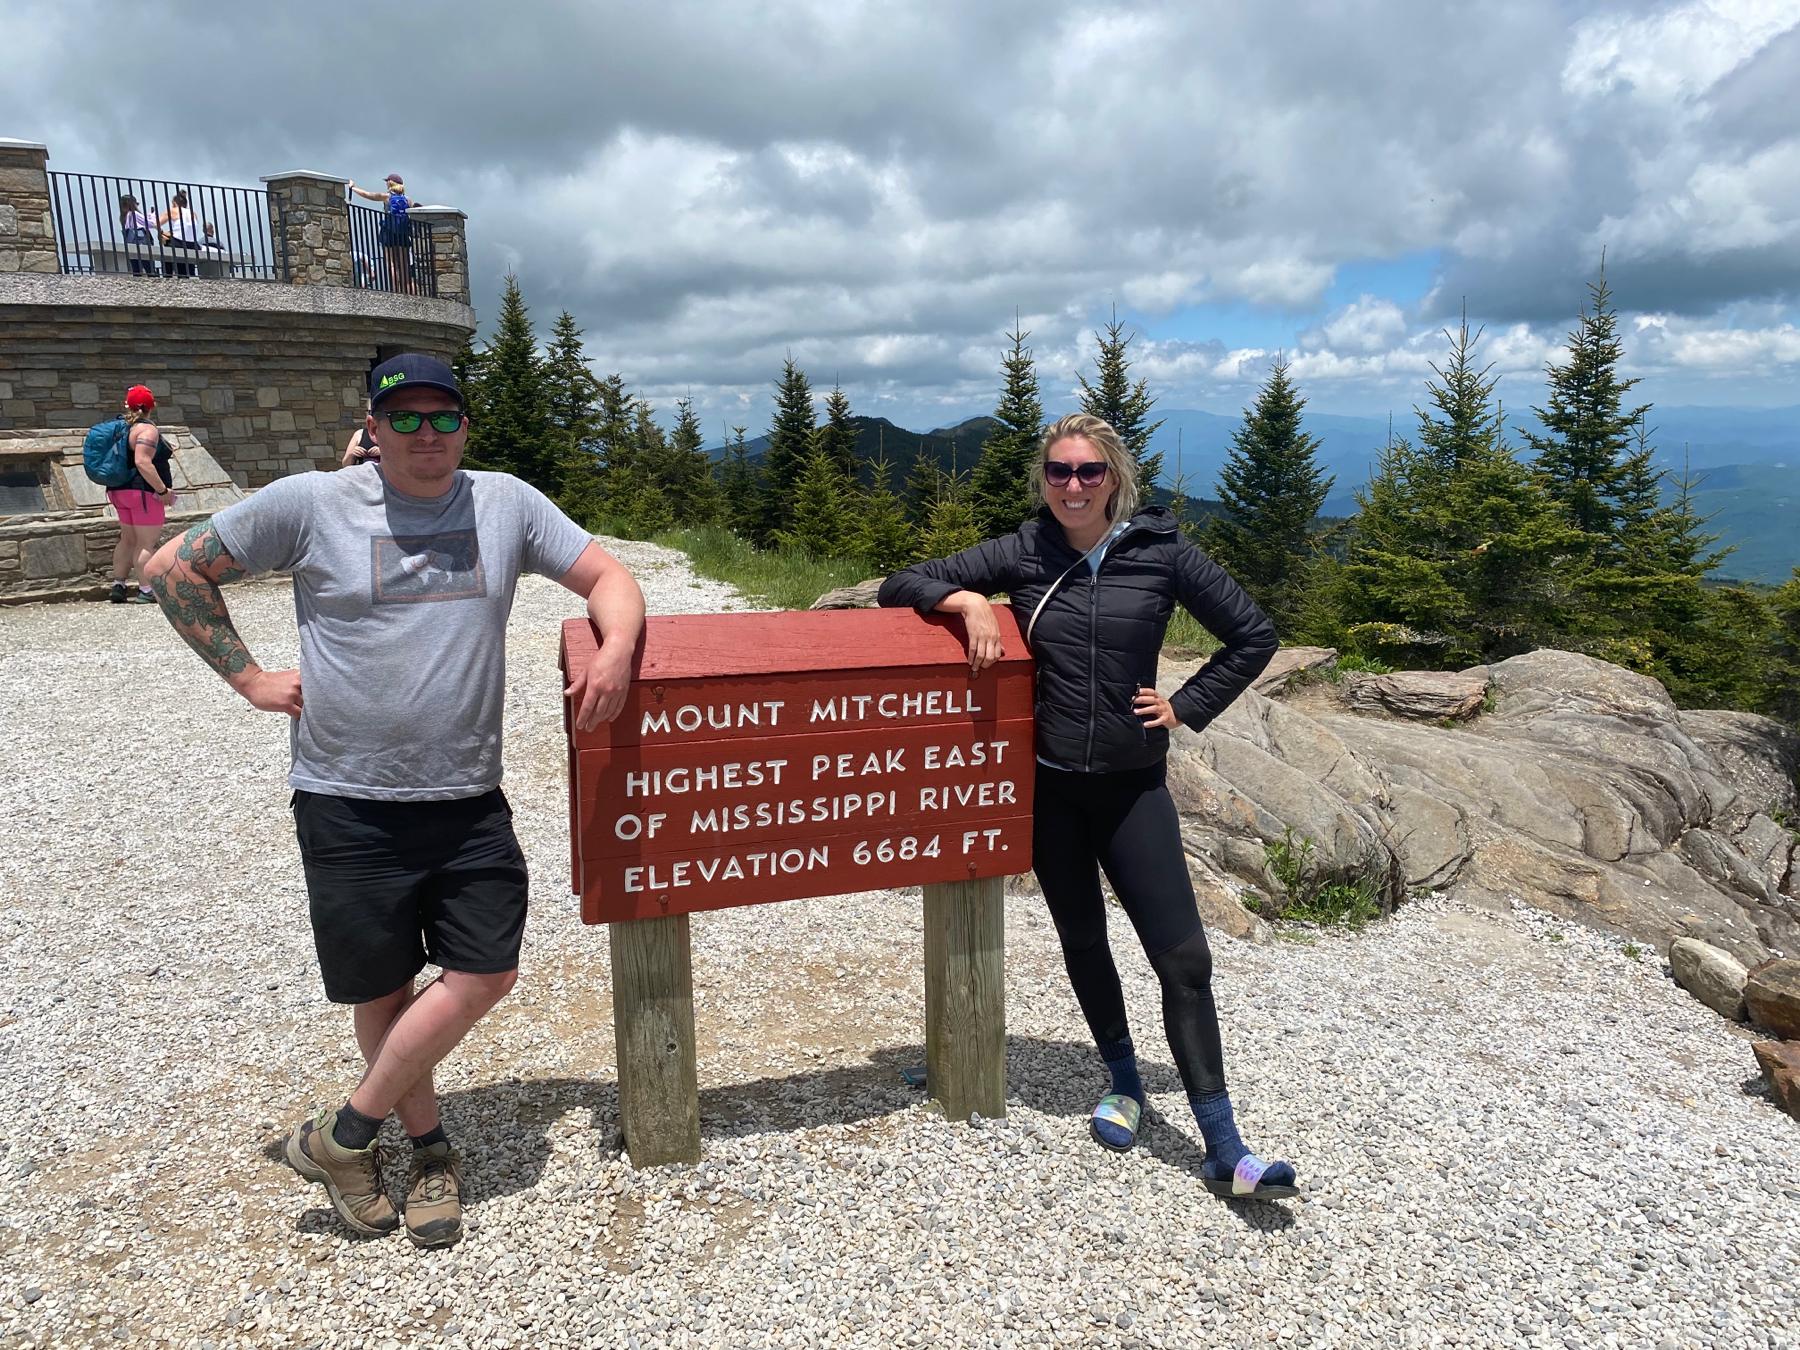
393,885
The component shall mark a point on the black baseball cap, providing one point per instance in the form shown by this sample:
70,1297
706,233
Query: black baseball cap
411,370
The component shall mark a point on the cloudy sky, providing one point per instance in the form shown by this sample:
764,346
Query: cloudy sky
877,188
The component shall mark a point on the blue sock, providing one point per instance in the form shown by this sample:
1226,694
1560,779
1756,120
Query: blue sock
1224,1149
1121,1063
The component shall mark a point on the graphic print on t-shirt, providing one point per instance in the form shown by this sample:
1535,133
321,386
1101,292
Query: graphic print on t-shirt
414,569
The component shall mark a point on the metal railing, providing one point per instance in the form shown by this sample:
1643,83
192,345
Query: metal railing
153,227
387,257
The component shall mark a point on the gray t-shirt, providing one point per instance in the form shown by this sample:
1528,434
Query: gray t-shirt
402,603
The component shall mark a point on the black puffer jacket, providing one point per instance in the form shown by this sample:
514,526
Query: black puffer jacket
1098,637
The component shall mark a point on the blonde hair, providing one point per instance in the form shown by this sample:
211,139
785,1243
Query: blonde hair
135,415
1099,433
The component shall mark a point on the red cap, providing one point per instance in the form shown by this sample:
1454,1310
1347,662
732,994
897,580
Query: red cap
139,397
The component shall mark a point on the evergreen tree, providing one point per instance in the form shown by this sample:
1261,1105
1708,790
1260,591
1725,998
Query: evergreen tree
694,493
1587,428
1458,555
641,490
950,527
1781,696
1002,482
740,480
514,433
1270,492
884,537
817,520
790,443
616,444
1467,422
572,394
1113,397
924,485
837,438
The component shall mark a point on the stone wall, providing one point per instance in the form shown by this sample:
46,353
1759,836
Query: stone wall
27,230
311,227
273,389
66,553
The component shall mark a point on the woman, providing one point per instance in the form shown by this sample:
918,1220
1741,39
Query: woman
135,228
361,447
1093,581
143,502
181,230
395,231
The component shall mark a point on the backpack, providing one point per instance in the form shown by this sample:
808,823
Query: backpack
106,454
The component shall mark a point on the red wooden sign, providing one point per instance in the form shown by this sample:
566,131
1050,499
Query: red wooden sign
772,756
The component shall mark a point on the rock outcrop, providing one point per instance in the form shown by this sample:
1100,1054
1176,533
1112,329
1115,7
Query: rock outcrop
1584,792
1714,977
1773,995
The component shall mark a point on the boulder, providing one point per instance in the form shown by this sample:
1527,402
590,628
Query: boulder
1773,993
1714,977
1424,695
859,596
1288,664
1780,1063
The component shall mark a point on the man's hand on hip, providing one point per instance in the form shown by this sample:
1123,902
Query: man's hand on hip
271,690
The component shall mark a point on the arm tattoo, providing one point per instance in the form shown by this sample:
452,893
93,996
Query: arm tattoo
190,599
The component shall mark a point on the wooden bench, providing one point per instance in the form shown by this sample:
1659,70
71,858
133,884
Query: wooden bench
906,771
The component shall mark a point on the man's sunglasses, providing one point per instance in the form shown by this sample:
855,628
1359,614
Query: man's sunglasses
1091,474
408,423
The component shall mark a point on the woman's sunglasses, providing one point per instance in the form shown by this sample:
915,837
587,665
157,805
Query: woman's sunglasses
1090,475
407,423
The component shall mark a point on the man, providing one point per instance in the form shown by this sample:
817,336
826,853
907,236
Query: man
403,581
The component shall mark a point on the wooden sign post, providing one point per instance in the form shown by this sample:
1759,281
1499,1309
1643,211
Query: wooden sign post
772,756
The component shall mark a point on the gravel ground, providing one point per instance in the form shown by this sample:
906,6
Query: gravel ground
1510,1132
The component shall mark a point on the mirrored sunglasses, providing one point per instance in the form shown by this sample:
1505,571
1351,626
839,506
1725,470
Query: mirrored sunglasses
407,423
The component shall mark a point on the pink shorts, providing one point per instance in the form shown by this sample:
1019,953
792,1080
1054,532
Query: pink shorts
137,507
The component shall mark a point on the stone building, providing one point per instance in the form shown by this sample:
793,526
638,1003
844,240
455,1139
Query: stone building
258,350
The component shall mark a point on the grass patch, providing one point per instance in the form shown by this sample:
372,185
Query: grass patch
778,579
1633,951
1308,895
1187,638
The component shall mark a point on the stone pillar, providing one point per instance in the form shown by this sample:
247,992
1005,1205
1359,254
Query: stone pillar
309,221
27,232
450,249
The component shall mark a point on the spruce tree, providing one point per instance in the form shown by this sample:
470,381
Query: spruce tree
740,480
837,438
884,537
572,394
950,526
514,432
1781,697
694,493
615,439
1458,555
816,523
1002,484
1126,406
1587,427
1270,492
1467,422
790,443
924,485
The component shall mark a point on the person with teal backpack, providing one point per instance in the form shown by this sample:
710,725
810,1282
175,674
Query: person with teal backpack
129,457
395,231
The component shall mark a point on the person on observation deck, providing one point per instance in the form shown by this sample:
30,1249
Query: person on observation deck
1093,580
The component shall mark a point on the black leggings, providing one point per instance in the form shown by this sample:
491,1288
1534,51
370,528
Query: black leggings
1127,824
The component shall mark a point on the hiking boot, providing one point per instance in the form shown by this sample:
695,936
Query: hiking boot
433,1197
117,594
140,598
351,1177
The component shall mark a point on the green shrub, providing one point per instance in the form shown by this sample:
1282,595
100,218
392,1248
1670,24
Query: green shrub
1307,894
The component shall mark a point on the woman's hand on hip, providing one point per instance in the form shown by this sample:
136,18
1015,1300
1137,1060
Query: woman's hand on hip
1153,708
